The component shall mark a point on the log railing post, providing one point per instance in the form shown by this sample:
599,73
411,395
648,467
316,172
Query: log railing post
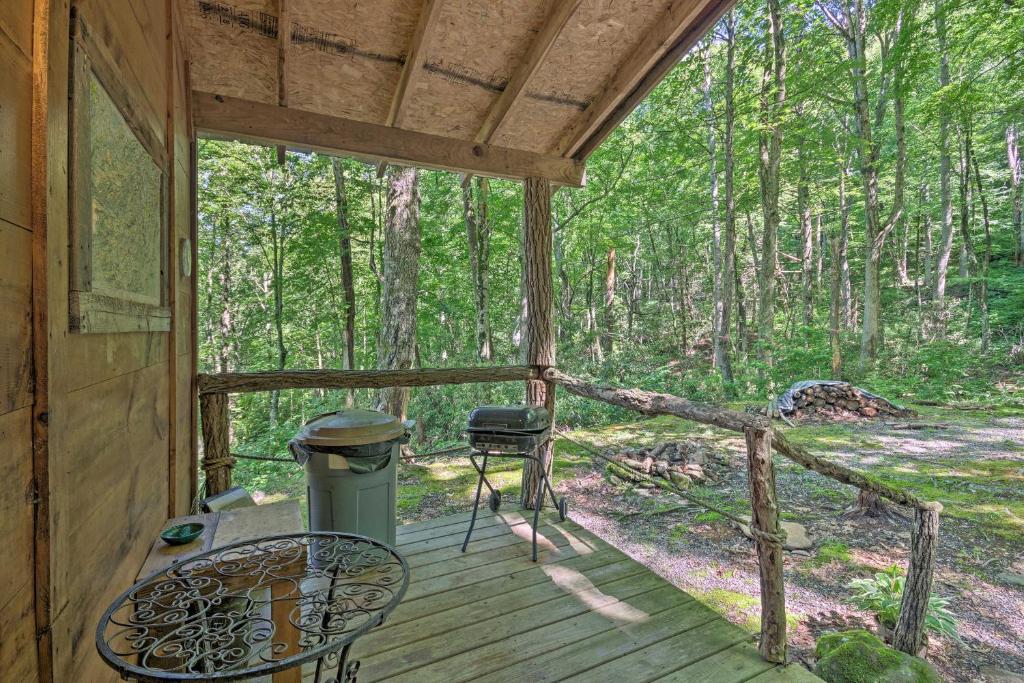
539,323
909,634
764,526
217,460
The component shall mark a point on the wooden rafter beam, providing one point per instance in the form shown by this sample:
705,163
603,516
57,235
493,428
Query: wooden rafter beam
412,70
267,124
284,41
683,23
558,16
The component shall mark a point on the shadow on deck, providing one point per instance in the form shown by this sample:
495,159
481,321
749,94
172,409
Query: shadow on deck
584,612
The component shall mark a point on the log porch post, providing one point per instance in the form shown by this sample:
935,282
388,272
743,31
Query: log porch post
217,460
539,323
764,524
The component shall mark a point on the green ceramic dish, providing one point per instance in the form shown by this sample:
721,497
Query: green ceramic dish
182,533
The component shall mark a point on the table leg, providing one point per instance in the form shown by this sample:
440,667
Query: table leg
280,608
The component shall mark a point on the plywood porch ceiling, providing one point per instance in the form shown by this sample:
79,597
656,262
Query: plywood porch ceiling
534,82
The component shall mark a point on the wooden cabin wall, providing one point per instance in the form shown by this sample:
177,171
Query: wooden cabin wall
96,430
18,660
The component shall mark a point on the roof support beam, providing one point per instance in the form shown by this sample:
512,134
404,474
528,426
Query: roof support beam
682,24
558,16
267,124
284,40
413,67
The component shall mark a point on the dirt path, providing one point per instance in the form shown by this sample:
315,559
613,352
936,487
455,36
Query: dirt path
975,467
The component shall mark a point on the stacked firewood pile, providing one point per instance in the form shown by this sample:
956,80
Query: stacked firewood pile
681,463
841,401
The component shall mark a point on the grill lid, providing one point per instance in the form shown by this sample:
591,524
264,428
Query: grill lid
351,428
509,419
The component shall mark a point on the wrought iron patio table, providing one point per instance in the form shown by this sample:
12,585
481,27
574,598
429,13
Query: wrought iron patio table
258,607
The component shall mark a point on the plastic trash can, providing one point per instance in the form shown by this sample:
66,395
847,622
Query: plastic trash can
351,463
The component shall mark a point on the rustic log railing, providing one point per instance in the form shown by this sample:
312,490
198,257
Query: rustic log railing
909,634
215,388
758,434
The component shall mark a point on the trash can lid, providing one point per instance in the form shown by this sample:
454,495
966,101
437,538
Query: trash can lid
351,428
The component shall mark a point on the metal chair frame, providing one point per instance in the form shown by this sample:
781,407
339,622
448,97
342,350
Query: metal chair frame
495,494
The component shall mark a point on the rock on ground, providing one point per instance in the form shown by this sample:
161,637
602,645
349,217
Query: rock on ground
797,537
859,657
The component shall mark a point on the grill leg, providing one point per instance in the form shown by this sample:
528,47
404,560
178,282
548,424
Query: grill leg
537,505
476,502
546,483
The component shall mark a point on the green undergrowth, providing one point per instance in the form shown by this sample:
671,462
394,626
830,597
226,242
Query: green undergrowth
741,608
829,551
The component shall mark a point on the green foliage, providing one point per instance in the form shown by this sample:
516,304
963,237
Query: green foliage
831,551
857,656
268,271
882,594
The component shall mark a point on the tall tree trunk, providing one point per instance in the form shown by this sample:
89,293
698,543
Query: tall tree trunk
1013,156
945,163
348,358
730,278
835,311
478,234
773,100
967,255
396,344
226,337
845,284
803,200
821,248
719,322
866,154
277,285
926,229
986,331
608,335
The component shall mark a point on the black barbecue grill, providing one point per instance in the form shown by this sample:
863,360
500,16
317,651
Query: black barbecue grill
510,432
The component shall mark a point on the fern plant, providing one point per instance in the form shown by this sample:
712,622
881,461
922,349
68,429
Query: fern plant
883,593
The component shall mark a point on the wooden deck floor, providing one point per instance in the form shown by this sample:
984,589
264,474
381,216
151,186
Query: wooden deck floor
584,612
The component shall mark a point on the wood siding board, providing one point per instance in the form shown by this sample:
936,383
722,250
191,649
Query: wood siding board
16,505
15,144
18,657
15,318
103,432
95,358
111,478
16,25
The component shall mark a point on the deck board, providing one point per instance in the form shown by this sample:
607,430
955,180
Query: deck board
583,612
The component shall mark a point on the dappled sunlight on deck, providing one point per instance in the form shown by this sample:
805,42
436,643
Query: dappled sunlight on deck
581,588
584,612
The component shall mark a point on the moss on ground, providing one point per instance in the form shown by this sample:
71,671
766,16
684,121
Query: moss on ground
743,608
830,551
859,657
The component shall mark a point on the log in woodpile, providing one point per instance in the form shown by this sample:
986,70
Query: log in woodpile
840,401
682,463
